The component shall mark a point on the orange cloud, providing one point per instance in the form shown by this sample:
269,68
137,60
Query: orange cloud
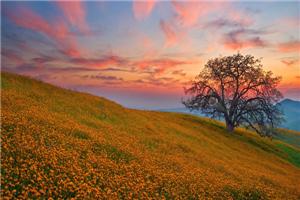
58,31
291,46
142,9
160,65
290,61
179,72
75,13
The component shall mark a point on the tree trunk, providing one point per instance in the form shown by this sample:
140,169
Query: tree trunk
229,126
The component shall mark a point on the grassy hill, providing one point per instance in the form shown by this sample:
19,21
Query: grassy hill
61,144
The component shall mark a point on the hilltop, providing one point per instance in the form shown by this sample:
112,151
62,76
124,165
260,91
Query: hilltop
61,144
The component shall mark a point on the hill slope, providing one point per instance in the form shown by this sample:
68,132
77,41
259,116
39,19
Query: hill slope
60,143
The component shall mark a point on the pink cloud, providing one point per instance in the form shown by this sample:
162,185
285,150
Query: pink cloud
75,13
240,18
172,36
103,62
290,90
290,22
148,46
57,31
244,43
30,20
159,66
142,9
290,46
12,56
189,12
239,39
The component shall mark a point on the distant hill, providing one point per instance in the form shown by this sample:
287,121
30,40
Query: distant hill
291,109
63,144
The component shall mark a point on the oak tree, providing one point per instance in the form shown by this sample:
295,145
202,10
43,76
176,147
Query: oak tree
237,89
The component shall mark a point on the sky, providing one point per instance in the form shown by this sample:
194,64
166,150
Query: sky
142,54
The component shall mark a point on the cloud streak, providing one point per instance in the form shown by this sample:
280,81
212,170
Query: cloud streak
58,31
75,13
290,46
243,38
172,36
105,61
11,55
290,61
159,66
179,72
189,12
142,9
103,77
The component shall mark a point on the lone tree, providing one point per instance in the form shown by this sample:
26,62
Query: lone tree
237,89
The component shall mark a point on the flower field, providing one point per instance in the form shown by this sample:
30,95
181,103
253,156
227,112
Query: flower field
58,144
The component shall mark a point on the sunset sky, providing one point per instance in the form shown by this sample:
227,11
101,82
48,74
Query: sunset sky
142,54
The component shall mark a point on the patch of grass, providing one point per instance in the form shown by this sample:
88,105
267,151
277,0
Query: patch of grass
80,135
8,129
4,83
184,148
283,151
260,145
151,144
288,136
89,124
267,181
112,152
245,194
68,194
293,156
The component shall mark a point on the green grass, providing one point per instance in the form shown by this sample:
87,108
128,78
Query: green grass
245,194
80,135
293,155
288,136
151,144
112,152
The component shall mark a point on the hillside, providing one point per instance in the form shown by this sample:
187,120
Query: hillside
61,144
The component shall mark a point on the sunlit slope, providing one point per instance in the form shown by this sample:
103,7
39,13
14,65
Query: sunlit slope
60,143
